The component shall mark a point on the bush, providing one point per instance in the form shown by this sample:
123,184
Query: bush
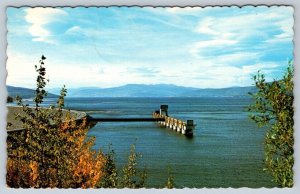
273,108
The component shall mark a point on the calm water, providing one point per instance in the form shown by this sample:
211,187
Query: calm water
226,150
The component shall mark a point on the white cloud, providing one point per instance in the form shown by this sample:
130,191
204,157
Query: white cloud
267,66
103,75
74,30
203,74
232,46
20,69
206,26
39,18
200,46
248,25
226,76
184,10
237,57
286,26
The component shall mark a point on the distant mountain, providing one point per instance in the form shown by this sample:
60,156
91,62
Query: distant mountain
130,90
24,92
223,92
157,90
77,92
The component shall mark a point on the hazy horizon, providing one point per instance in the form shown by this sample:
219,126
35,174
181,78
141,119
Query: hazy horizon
96,87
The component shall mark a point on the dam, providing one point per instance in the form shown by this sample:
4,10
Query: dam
160,116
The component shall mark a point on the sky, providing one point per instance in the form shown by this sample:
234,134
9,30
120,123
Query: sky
211,47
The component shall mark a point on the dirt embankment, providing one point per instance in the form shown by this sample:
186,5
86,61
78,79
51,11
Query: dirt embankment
16,124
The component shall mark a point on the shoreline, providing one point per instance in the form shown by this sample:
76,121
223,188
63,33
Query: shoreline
16,125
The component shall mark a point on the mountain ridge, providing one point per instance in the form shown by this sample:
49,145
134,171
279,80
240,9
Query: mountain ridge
23,92
157,90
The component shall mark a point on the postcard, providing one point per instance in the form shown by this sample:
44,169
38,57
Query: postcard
150,97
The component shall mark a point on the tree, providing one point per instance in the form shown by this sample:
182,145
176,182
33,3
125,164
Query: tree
273,109
53,149
9,99
133,177
130,177
170,181
110,178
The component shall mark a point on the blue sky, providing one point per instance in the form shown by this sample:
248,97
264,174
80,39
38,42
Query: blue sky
212,47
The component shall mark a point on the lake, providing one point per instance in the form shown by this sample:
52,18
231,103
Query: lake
226,150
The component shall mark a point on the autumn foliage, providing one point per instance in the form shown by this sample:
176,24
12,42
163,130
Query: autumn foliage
53,149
